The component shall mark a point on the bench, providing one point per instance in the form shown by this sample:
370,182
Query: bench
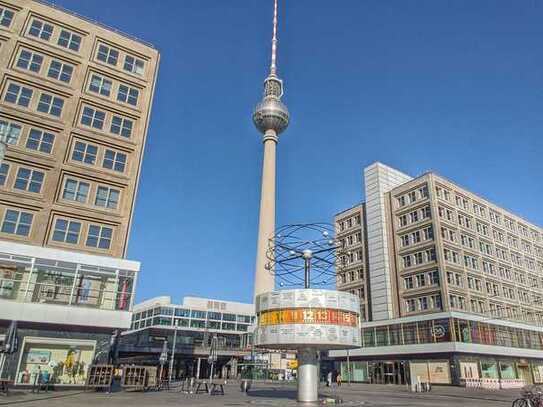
212,388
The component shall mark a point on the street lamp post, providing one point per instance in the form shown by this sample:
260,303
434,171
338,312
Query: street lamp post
348,369
176,324
212,359
162,360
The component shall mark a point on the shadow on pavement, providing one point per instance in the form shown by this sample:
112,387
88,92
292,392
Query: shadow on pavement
274,393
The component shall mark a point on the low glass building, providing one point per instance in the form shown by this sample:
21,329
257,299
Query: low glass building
67,306
192,326
445,348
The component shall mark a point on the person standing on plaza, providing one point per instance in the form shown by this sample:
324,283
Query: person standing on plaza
338,379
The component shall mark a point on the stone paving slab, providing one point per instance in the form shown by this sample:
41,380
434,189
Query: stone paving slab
274,395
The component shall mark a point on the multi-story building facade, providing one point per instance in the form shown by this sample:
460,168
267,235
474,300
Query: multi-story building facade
351,232
75,101
188,330
455,283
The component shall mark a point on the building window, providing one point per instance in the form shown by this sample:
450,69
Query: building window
69,40
93,118
40,140
107,197
433,277
133,65
411,305
423,303
60,71
421,280
18,95
17,222
29,180
75,190
406,261
42,30
30,61
423,191
99,236
50,104
4,169
10,132
100,85
436,301
6,16
66,231
107,55
85,153
121,126
114,160
128,95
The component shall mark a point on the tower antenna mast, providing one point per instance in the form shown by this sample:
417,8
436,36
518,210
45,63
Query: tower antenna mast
273,67
271,118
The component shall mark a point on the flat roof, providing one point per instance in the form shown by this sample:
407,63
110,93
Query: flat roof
49,253
98,23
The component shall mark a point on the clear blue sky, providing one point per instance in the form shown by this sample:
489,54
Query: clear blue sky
452,86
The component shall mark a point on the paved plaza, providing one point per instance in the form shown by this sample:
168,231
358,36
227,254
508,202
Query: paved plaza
270,395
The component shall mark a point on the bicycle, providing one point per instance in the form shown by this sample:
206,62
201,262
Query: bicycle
531,396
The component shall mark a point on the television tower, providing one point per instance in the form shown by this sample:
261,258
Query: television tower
271,118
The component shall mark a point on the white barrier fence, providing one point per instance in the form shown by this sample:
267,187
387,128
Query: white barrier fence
493,384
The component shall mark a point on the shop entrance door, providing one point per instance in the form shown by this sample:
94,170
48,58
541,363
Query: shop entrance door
388,372
524,373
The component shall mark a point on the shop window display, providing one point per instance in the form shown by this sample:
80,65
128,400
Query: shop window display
507,370
489,369
10,281
441,331
469,370
62,363
369,337
95,290
537,369
358,371
124,293
410,335
53,287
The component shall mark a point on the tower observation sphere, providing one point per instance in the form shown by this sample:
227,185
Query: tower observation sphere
271,113
271,118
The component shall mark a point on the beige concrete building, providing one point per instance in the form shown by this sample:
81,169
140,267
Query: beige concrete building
75,101
452,282
351,231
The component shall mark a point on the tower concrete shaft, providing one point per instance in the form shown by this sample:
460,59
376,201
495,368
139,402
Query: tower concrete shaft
264,279
271,118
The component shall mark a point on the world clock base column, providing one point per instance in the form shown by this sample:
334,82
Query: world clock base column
308,376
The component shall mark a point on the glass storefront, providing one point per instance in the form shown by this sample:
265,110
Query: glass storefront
507,370
54,282
358,371
62,362
469,370
451,330
537,371
489,369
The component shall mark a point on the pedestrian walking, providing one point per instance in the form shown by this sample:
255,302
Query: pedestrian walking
329,379
338,380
